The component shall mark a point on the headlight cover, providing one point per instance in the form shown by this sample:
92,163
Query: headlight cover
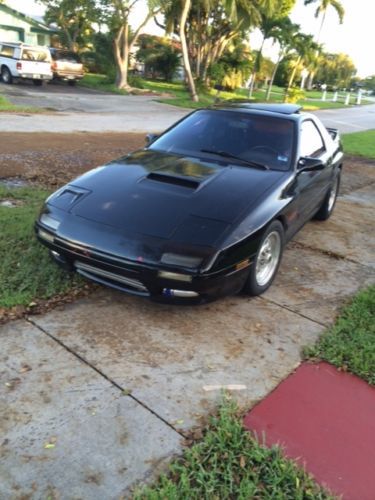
175,259
49,221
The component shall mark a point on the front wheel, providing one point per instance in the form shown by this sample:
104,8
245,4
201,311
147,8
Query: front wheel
267,260
38,83
326,209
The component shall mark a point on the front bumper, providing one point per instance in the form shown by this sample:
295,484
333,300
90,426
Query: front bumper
139,278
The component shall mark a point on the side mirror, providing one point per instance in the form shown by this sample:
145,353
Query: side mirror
151,138
309,164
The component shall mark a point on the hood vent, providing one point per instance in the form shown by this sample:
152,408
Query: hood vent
176,181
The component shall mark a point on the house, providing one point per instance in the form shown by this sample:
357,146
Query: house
18,27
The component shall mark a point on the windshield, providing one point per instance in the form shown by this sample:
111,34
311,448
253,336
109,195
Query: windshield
35,55
263,139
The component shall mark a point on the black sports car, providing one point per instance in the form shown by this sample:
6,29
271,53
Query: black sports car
204,210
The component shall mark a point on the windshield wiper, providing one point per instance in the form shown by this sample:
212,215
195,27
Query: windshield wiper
225,154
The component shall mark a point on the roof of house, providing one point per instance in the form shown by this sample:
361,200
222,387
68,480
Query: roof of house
24,17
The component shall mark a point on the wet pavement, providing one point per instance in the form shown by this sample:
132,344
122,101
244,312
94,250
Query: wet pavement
97,395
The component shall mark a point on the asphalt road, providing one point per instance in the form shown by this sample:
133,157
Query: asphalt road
87,110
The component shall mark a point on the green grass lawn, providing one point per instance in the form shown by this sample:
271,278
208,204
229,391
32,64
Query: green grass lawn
26,271
230,464
360,143
178,95
7,106
350,343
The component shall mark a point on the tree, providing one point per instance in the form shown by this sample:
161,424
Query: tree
336,70
74,18
305,49
271,13
284,33
185,54
211,26
322,10
117,14
159,55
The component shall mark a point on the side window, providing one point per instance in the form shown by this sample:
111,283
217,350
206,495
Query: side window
6,50
311,142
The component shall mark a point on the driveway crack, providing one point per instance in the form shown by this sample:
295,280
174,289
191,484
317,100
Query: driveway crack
287,308
106,377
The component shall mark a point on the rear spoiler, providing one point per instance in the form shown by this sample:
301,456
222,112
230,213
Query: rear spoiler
334,133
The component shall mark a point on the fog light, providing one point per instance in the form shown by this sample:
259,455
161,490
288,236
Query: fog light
169,292
174,276
46,236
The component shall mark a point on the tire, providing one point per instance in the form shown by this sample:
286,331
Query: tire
261,275
38,83
326,209
72,83
6,75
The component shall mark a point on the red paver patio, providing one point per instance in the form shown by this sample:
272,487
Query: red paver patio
326,420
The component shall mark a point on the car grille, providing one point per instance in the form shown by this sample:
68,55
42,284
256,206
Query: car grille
94,272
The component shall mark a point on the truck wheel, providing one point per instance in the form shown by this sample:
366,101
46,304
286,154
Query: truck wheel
71,83
6,75
38,83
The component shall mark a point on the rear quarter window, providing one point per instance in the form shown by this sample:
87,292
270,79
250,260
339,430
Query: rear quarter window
7,51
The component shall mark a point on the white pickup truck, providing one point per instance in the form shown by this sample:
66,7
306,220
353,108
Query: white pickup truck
21,61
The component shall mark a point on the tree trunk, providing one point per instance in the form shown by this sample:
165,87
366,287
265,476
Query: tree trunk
122,46
291,79
268,95
185,54
256,68
310,80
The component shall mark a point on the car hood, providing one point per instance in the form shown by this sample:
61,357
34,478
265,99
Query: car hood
180,198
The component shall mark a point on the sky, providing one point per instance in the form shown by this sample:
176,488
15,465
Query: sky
355,37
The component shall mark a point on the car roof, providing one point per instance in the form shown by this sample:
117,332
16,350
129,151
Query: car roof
274,109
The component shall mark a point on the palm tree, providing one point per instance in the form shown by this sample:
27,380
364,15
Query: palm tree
284,33
322,10
271,13
306,49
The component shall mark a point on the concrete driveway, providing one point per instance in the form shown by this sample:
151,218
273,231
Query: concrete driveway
97,396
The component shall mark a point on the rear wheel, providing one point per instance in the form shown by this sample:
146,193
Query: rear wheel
38,83
264,268
71,83
325,211
6,75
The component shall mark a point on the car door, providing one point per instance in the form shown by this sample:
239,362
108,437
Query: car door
311,186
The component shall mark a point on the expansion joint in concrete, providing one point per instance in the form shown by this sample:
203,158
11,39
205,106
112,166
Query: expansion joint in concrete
325,325
102,374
